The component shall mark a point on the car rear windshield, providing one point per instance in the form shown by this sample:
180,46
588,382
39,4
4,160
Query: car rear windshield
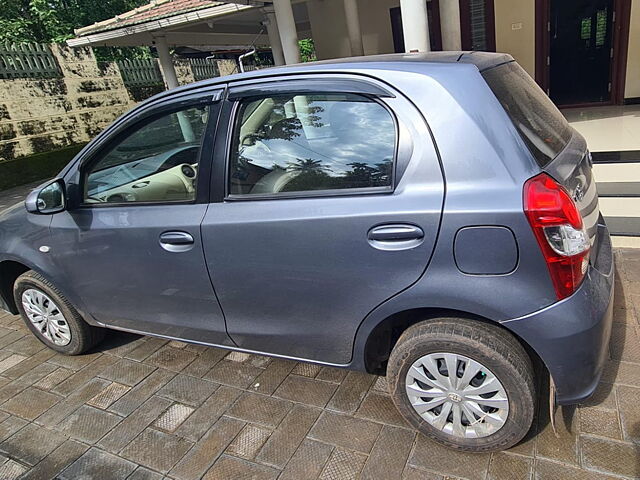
540,123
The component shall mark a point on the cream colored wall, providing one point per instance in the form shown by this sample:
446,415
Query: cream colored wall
515,31
329,28
632,85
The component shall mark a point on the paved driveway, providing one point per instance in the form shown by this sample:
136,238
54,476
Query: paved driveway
142,407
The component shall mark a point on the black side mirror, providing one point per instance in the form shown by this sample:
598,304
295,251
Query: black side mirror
48,199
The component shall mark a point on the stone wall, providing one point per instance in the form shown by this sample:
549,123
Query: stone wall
40,115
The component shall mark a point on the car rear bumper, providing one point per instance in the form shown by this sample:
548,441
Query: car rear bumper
572,336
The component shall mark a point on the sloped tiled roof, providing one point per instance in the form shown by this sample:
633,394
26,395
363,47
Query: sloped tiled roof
155,10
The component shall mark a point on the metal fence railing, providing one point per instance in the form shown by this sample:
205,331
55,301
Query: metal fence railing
27,60
140,72
204,68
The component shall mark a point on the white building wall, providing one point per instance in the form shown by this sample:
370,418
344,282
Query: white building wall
329,28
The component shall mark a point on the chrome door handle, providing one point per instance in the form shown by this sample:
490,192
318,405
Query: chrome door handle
395,237
176,241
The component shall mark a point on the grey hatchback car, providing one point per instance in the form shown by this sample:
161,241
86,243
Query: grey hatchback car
432,218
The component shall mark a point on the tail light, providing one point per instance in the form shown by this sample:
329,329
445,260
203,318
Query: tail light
558,227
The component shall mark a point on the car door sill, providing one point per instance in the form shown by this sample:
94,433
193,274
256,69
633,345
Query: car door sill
227,347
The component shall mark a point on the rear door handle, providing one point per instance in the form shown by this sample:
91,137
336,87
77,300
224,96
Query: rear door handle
395,237
176,241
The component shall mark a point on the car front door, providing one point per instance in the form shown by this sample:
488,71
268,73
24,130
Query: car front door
131,248
331,205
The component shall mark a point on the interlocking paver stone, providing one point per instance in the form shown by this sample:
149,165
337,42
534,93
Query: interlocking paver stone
32,443
156,450
96,463
548,470
84,375
142,473
284,441
351,392
231,467
305,390
65,408
611,457
389,454
109,395
202,456
147,348
504,466
174,359
380,408
629,400
308,461
57,461
343,465
186,410
141,392
273,376
11,425
12,470
134,424
173,417
255,408
208,413
88,424
127,372
249,441
337,429
432,456
59,375
30,403
235,374
190,390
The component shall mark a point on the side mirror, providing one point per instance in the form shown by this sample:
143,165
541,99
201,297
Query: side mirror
48,199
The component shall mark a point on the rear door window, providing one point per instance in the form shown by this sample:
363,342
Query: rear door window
314,142
537,119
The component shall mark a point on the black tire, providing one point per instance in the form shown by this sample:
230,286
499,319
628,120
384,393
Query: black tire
489,345
83,335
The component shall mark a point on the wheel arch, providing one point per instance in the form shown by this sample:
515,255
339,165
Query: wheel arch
383,336
10,270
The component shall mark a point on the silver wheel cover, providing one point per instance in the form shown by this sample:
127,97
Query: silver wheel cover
46,317
457,395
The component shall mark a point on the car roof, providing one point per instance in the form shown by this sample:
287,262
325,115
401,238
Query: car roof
397,61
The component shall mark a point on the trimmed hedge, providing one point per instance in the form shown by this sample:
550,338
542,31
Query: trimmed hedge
39,166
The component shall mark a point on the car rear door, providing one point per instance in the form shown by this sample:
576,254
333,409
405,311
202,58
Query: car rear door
331,205
131,250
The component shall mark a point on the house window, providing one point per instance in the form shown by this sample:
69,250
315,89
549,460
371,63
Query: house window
477,25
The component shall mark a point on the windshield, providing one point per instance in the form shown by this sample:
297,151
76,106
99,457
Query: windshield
540,123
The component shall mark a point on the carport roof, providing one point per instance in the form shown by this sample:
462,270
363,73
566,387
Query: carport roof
183,23
155,10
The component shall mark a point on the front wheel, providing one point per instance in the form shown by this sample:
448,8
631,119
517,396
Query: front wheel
51,317
464,383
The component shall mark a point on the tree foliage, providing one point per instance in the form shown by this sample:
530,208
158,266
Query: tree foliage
51,21
307,50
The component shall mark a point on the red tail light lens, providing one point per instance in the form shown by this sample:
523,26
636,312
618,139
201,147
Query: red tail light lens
557,225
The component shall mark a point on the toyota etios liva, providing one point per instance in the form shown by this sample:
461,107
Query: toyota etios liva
432,218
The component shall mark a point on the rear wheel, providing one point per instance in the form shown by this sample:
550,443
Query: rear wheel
51,317
466,384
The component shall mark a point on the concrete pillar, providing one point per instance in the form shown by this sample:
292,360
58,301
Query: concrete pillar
171,79
166,63
287,28
274,36
450,24
353,27
415,26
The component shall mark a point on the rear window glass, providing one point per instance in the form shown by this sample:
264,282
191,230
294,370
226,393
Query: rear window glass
540,123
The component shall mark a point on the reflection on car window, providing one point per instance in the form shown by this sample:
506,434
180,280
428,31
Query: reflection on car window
157,162
311,142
